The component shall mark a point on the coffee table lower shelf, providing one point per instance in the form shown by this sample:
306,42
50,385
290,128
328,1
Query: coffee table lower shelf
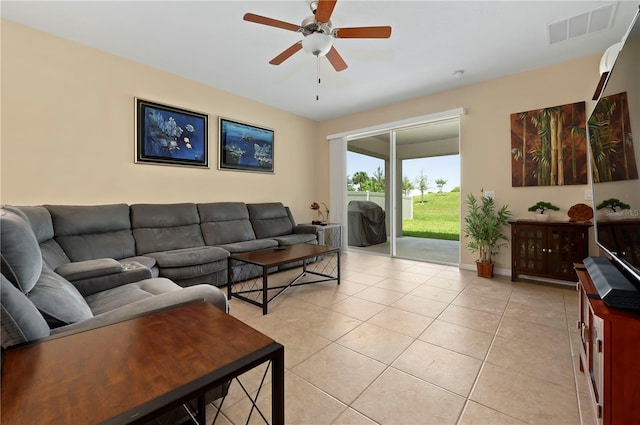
317,260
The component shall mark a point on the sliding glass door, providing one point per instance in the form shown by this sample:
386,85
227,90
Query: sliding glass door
390,177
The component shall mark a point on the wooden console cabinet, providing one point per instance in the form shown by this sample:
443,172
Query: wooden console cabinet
609,355
548,248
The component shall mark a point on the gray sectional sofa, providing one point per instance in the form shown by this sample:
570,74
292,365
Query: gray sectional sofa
74,265
37,302
187,243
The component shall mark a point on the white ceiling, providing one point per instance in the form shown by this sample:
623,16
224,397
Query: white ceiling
207,41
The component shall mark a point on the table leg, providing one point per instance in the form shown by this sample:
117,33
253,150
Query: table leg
265,294
202,410
277,388
229,282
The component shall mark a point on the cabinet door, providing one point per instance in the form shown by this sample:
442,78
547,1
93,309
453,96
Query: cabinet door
596,364
565,246
583,325
530,252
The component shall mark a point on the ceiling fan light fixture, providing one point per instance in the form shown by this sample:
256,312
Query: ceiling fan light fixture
317,43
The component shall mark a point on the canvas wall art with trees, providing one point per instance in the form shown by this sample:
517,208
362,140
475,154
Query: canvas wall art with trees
549,146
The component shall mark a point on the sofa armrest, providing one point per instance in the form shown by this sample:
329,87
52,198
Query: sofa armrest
88,269
95,276
305,228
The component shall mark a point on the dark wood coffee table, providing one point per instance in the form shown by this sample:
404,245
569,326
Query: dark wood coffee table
318,260
135,370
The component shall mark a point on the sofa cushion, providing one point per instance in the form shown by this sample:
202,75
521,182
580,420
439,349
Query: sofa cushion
21,255
165,227
58,300
225,222
247,246
21,321
96,231
270,219
188,256
39,219
120,296
162,293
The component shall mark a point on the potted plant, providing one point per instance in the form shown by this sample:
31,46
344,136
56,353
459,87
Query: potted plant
484,225
613,207
540,207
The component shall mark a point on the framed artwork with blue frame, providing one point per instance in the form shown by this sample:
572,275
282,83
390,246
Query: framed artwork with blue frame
245,147
171,136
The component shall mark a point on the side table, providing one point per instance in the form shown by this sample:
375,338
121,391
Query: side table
329,234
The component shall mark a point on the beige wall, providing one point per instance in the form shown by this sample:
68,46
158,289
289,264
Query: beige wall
485,141
68,132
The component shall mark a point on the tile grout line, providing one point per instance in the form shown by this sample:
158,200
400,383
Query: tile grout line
484,362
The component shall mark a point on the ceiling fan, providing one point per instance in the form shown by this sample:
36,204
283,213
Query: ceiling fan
319,33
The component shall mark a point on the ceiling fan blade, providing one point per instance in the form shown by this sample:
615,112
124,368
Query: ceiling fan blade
363,32
270,22
286,54
336,60
324,10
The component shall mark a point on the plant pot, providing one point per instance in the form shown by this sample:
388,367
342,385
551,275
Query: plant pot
484,269
542,217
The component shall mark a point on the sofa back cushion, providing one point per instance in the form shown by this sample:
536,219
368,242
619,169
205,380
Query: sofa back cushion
58,300
42,226
164,227
270,219
20,319
21,257
225,222
95,231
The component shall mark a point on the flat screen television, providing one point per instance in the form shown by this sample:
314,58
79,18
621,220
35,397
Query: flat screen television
614,139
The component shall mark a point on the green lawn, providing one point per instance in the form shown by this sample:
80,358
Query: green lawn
437,218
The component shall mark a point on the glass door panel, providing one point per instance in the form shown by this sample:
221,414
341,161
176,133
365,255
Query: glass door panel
368,194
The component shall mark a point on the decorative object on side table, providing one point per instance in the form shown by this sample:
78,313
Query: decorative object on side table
245,147
540,207
613,208
322,216
580,212
483,224
170,136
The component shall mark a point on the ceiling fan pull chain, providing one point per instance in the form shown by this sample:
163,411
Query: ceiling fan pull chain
318,74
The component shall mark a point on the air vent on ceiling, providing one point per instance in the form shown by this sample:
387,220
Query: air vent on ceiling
585,23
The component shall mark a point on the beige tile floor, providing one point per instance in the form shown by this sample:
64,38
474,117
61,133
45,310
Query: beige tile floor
405,342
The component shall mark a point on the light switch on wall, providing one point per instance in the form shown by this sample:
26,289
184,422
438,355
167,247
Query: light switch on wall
489,194
588,195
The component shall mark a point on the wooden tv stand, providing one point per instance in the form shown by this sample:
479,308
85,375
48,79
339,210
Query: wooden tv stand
609,355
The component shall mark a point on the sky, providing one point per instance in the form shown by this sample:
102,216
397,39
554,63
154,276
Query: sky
440,167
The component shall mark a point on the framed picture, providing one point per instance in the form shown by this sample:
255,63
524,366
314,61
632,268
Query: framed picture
245,147
171,136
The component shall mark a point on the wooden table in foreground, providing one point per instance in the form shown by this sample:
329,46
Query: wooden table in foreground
319,260
132,371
